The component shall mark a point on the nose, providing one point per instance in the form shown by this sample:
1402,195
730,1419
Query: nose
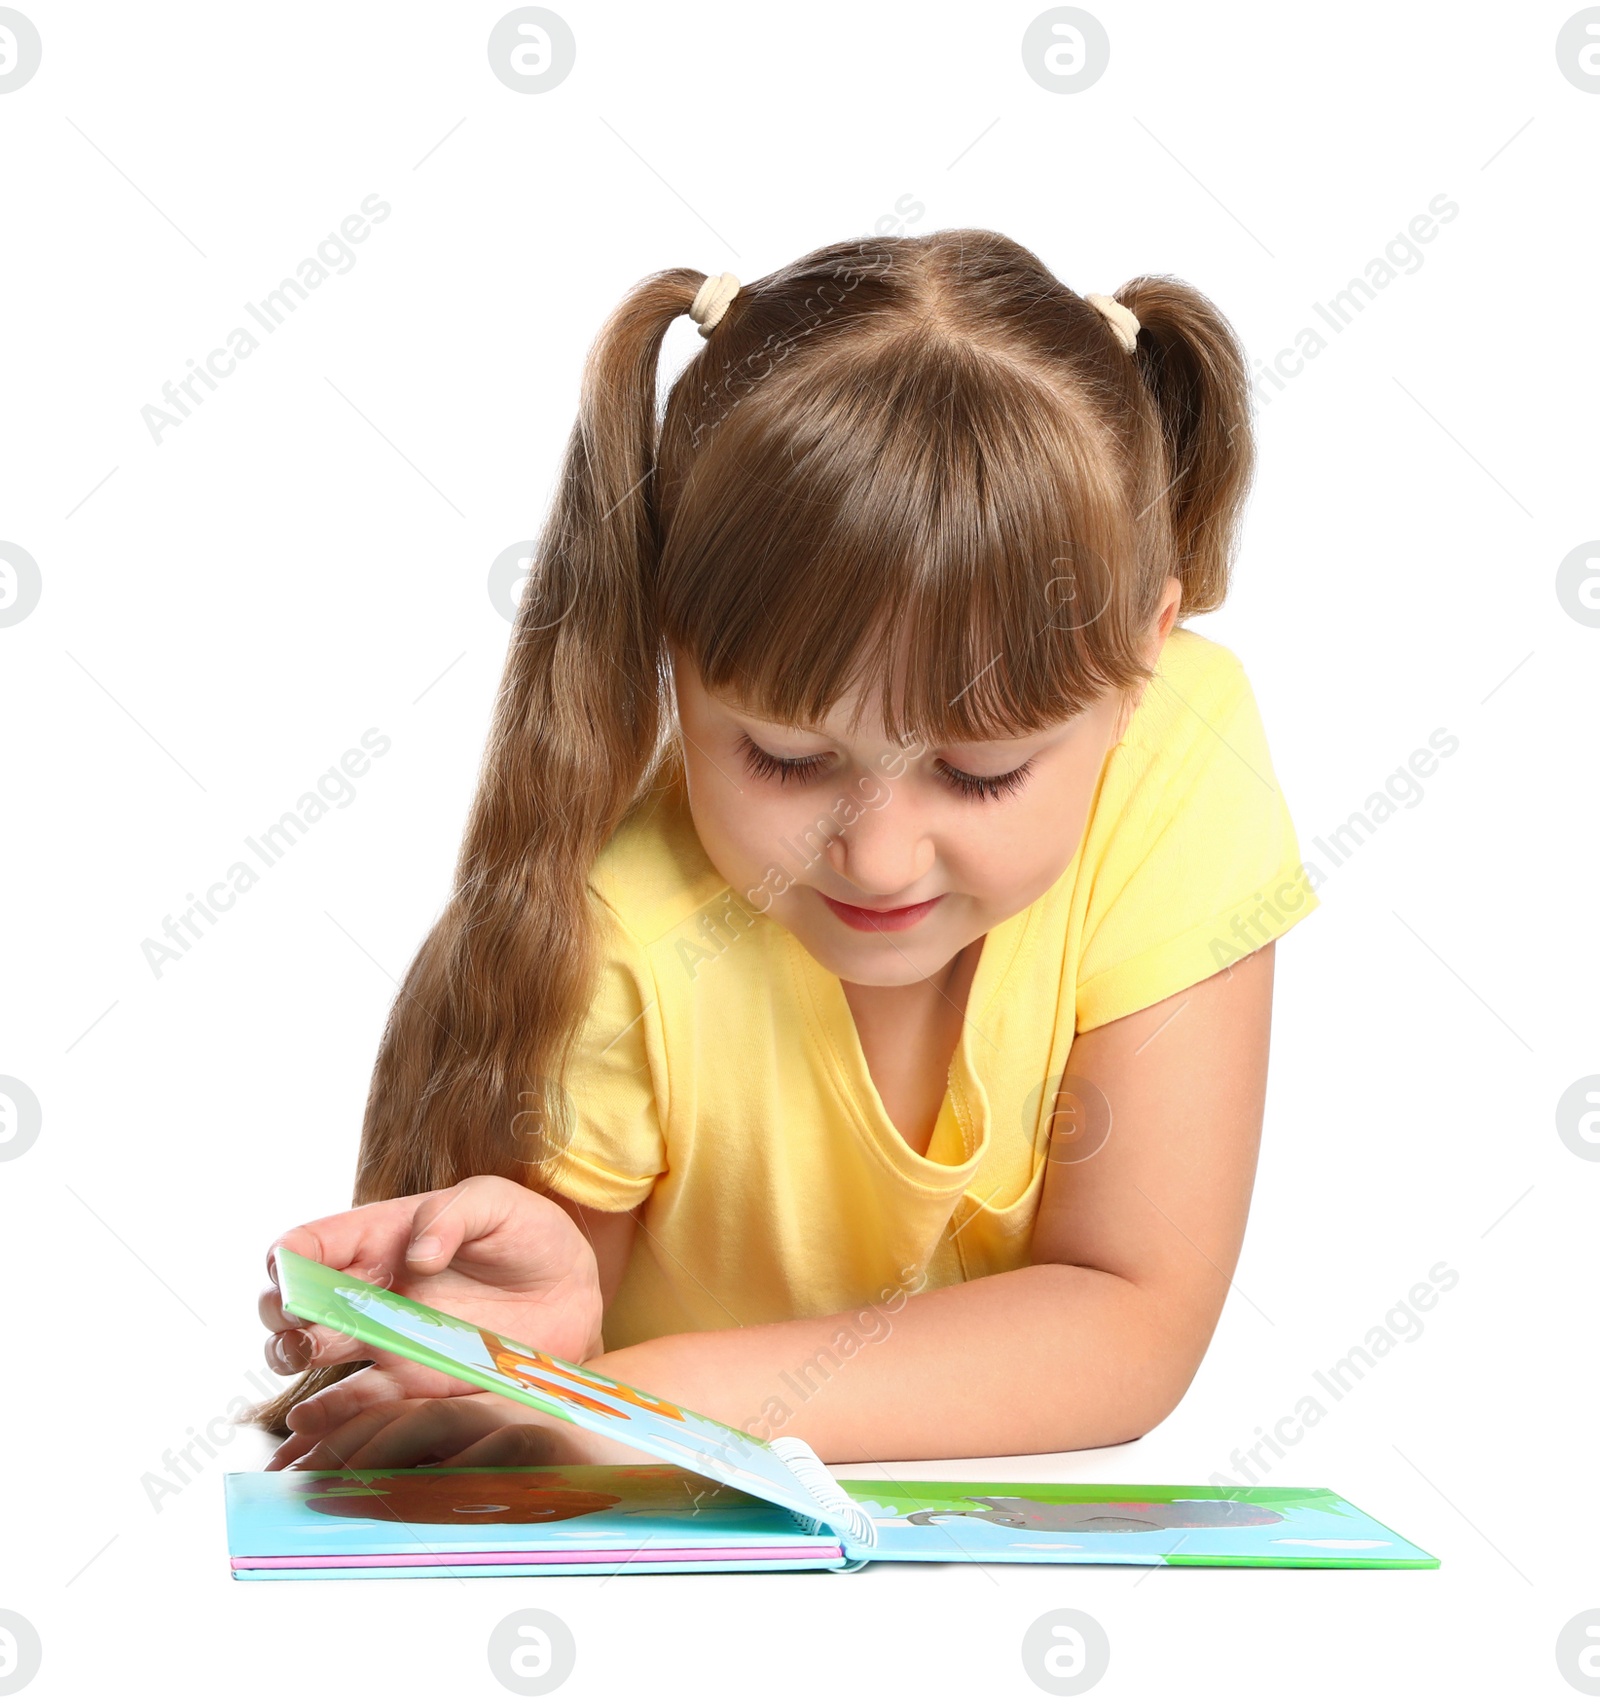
884,852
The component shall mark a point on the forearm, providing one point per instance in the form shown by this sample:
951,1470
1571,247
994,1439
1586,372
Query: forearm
1048,1357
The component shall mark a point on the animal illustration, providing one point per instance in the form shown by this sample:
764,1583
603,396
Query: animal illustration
458,1499
1029,1515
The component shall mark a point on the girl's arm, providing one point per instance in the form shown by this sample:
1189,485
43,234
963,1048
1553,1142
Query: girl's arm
1093,1344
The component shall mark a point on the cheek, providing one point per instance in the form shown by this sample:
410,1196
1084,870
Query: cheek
740,831
752,832
1025,857
1014,856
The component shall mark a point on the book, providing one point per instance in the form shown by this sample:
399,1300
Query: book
722,1499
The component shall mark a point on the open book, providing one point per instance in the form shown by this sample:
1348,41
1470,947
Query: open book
728,1500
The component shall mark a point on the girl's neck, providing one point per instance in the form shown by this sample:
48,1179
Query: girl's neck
908,1036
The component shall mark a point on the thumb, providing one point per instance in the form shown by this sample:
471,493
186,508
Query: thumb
444,1220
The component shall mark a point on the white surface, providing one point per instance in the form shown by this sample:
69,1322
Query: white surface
226,614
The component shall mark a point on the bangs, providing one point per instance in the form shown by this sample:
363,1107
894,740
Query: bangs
934,528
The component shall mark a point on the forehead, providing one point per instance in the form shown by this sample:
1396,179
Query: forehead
855,720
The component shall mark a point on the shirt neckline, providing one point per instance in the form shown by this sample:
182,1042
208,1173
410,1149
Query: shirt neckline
964,1098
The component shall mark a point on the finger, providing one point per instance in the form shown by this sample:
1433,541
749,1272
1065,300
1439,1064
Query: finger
288,1452
402,1434
294,1350
367,1242
426,1432
331,1448
509,1446
387,1381
319,1414
372,1242
471,1211
271,1310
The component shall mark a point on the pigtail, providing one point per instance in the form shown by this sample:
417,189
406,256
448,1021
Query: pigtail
1193,366
468,1072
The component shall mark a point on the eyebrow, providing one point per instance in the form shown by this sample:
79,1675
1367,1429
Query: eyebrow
891,746
753,715
750,715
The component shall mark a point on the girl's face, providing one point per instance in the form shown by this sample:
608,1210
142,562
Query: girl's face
886,860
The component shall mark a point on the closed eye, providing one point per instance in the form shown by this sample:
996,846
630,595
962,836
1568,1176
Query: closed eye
984,786
800,769
770,768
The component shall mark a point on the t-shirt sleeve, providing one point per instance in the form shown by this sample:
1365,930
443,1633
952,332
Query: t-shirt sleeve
1199,865
617,1150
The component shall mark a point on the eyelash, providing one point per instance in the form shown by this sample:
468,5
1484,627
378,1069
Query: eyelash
785,769
985,786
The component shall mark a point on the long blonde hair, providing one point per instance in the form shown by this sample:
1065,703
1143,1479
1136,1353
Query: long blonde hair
921,461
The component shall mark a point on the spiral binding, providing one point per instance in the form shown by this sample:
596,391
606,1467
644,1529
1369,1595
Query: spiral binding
824,1490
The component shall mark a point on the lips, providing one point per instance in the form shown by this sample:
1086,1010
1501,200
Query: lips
889,922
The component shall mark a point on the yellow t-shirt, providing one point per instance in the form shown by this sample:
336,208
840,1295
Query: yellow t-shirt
720,1079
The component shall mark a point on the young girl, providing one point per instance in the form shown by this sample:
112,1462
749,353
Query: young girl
852,1014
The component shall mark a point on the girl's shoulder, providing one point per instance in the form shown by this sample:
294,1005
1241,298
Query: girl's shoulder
1190,658
1198,683
1195,740
653,872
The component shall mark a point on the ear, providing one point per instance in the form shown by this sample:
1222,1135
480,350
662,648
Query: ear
1166,616
1166,619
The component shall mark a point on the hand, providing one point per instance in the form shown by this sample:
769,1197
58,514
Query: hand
481,1430
486,1250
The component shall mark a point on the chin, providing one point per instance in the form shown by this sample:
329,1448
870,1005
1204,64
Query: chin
874,962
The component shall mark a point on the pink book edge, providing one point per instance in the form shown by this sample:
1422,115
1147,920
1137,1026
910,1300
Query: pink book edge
486,1558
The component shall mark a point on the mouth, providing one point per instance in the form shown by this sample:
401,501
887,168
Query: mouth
887,922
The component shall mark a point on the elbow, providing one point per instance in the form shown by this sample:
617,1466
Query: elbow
1158,1381
1145,1414
1144,1359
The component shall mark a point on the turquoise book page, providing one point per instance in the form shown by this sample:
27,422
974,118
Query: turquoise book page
1151,1525
787,1473
431,1514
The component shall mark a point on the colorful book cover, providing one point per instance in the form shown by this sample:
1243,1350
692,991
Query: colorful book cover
728,1501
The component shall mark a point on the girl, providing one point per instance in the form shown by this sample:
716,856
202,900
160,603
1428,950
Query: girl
852,1013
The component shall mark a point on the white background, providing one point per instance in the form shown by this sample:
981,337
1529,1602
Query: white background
223,614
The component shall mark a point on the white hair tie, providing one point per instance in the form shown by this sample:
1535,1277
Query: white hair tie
711,301
1119,318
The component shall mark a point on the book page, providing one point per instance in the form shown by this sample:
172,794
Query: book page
399,1325
391,1517
1175,1525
